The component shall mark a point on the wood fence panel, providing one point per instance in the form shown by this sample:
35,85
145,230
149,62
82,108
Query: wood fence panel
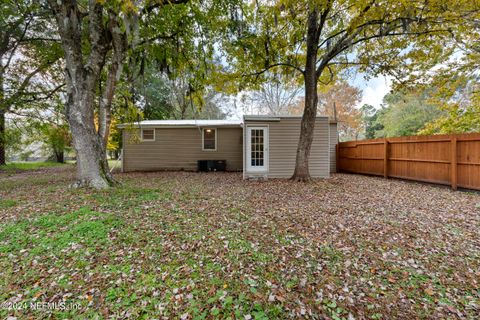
443,159
360,157
468,163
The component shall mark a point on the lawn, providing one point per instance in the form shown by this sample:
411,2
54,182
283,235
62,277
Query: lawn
22,166
189,245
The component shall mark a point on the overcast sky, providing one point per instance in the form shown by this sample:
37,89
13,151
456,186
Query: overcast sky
373,90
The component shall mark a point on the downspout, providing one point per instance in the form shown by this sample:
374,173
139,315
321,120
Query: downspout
329,145
243,148
121,152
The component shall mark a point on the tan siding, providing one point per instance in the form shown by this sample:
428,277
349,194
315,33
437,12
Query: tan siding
283,141
180,148
333,147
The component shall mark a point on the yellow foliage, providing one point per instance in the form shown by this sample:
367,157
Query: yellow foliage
113,144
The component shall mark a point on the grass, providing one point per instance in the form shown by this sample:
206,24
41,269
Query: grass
7,203
211,246
53,233
25,166
12,167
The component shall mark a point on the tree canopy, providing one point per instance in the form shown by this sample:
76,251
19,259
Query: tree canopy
113,61
317,41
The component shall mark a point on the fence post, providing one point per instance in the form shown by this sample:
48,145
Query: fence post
453,162
337,157
385,158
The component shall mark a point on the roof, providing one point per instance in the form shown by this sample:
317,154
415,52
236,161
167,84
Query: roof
205,123
183,123
273,118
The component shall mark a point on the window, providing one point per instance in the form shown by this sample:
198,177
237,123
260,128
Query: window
209,139
148,134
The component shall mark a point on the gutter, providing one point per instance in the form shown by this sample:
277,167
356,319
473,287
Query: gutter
163,126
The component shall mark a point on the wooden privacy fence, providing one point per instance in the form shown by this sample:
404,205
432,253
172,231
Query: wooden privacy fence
443,159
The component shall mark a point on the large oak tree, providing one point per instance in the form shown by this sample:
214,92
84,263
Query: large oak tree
320,38
89,31
98,38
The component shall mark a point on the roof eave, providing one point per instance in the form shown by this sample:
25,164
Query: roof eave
177,126
275,118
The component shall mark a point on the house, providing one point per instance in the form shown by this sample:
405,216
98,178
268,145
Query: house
260,146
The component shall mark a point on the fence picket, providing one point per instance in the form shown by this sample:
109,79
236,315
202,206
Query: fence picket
444,159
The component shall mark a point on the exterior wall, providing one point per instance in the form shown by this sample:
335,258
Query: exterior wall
180,148
333,147
283,142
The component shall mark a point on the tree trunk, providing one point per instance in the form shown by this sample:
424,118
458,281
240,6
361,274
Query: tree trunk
2,138
92,166
119,42
183,110
59,156
3,160
104,110
301,172
81,76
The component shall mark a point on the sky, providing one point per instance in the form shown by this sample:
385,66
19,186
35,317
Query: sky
373,91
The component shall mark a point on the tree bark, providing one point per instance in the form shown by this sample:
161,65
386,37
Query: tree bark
3,160
2,138
119,42
105,106
81,76
183,112
301,172
59,156
92,166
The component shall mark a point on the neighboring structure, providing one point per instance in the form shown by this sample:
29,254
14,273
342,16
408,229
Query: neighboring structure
260,146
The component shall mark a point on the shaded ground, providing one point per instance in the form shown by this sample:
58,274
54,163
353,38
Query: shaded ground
190,245
17,167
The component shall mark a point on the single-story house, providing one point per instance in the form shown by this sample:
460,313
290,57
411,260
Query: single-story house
260,146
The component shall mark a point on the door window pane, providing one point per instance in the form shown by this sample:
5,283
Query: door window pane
257,147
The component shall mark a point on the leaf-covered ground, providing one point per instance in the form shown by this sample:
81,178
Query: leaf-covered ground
190,245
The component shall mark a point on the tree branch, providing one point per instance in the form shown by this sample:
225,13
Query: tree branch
17,43
257,74
5,103
398,34
158,37
46,97
159,4
323,19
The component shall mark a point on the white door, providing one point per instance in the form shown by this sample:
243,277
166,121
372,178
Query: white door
257,149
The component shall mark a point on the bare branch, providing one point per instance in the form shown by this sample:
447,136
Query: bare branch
47,94
257,74
159,4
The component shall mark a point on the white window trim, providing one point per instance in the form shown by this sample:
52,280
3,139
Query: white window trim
203,139
266,145
141,134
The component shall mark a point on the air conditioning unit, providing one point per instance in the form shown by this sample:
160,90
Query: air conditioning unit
212,165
